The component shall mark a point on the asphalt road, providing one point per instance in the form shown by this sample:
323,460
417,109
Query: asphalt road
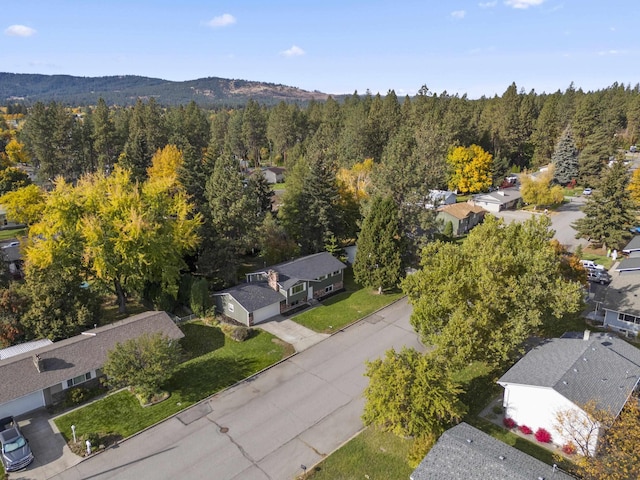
561,221
293,414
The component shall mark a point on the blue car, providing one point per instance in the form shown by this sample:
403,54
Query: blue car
635,230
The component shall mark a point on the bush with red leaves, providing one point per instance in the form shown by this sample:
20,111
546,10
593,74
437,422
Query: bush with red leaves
509,422
524,429
543,436
569,449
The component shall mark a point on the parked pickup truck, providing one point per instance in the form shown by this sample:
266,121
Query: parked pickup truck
16,453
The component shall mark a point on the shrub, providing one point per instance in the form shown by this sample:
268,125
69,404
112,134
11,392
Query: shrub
420,447
543,436
569,448
509,422
77,395
497,409
235,332
524,429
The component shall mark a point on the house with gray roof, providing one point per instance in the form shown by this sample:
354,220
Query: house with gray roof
41,376
464,452
503,199
633,247
564,374
621,299
280,288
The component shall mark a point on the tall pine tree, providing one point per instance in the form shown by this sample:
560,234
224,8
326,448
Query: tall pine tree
565,158
378,262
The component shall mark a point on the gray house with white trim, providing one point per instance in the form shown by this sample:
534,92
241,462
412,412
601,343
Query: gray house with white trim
621,301
40,377
464,452
280,288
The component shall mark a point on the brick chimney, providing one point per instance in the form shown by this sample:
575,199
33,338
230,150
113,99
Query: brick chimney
272,279
38,362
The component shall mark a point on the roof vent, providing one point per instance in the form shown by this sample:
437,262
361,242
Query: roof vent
564,382
585,359
604,379
501,457
575,370
469,440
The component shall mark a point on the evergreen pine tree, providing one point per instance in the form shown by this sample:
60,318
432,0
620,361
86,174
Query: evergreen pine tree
565,158
378,262
609,211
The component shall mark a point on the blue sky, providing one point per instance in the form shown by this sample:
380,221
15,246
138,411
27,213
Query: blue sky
473,47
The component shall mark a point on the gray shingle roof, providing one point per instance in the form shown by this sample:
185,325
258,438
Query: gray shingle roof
253,296
634,244
499,197
306,268
76,355
603,368
623,293
464,452
631,263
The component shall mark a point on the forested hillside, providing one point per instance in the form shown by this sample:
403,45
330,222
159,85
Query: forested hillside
125,90
106,176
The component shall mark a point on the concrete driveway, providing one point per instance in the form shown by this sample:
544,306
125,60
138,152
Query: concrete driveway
51,453
293,333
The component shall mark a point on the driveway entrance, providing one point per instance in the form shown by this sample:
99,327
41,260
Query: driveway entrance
291,332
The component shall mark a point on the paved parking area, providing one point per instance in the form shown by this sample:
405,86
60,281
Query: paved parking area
51,453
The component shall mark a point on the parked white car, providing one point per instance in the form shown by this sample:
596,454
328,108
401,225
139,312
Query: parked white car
591,265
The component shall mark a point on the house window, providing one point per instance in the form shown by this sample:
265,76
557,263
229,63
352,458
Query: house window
79,379
230,307
328,288
337,272
628,318
322,277
297,288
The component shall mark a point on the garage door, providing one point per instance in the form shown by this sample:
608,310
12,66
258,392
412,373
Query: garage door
265,313
21,405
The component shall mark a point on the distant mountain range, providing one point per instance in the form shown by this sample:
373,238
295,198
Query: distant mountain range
125,90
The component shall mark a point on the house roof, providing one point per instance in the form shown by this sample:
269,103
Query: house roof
253,295
603,368
466,452
23,347
633,245
632,263
76,355
461,210
500,197
276,170
623,293
305,268
12,254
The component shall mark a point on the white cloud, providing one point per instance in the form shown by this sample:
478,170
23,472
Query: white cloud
19,31
488,4
458,13
610,52
294,51
223,20
523,3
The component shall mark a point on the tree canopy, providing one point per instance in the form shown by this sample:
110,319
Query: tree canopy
501,285
470,169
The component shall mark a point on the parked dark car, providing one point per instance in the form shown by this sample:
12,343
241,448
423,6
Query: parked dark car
599,276
16,453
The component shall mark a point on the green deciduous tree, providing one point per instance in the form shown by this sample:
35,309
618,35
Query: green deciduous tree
410,394
504,283
609,210
378,262
565,158
143,363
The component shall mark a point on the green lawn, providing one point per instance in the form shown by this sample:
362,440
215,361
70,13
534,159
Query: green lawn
16,233
345,308
372,454
215,363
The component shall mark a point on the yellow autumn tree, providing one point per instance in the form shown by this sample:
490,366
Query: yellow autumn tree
24,205
470,169
165,164
16,152
539,191
357,179
634,186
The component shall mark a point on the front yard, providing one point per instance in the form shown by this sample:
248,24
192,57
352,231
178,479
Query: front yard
214,363
345,307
